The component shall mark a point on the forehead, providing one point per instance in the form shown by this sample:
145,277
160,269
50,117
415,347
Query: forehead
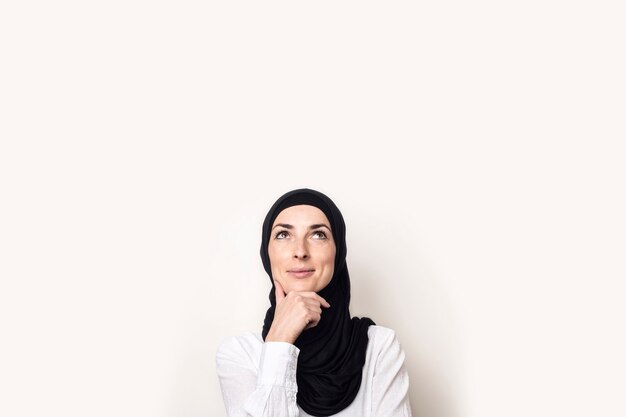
301,214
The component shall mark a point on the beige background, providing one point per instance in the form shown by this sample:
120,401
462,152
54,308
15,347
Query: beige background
476,150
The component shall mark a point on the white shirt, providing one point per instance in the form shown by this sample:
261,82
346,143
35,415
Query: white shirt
259,379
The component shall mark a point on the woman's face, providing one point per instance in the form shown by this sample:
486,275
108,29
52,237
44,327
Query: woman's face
301,249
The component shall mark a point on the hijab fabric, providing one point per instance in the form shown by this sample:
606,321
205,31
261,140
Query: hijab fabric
332,354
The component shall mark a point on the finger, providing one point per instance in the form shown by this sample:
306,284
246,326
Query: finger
312,304
314,321
315,296
280,293
323,301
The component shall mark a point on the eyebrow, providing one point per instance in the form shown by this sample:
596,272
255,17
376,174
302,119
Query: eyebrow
318,225
289,227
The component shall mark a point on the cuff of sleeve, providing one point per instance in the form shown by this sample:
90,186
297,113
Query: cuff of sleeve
278,365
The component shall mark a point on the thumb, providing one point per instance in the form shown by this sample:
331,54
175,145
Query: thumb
280,293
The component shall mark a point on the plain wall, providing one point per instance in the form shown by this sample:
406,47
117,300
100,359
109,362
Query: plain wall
476,150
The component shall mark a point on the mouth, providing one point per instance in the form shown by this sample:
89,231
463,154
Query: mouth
301,272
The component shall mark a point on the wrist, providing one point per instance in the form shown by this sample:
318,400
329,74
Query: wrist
275,337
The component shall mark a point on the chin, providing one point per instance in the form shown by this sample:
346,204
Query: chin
301,287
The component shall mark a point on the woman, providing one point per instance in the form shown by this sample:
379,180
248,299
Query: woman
312,358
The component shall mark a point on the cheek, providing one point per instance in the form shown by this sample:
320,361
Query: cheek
276,256
330,259
273,253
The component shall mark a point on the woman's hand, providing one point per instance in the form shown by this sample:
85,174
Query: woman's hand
294,313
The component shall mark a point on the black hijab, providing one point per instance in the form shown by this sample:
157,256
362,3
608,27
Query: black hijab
332,354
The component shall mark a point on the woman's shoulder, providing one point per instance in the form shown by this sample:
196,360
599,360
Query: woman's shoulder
382,339
380,333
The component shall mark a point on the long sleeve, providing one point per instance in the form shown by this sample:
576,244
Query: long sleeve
258,382
390,386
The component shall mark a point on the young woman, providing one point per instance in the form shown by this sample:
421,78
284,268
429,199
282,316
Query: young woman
312,358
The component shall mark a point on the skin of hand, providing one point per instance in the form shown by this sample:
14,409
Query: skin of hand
294,313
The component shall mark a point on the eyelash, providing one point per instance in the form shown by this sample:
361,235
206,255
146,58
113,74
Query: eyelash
320,232
280,232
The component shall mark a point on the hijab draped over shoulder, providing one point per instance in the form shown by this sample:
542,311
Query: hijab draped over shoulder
332,354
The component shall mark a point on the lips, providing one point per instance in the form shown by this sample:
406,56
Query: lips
301,272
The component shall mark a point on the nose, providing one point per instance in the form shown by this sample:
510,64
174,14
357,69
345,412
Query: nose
301,250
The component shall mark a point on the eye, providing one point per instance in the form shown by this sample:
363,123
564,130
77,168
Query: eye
319,234
281,234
